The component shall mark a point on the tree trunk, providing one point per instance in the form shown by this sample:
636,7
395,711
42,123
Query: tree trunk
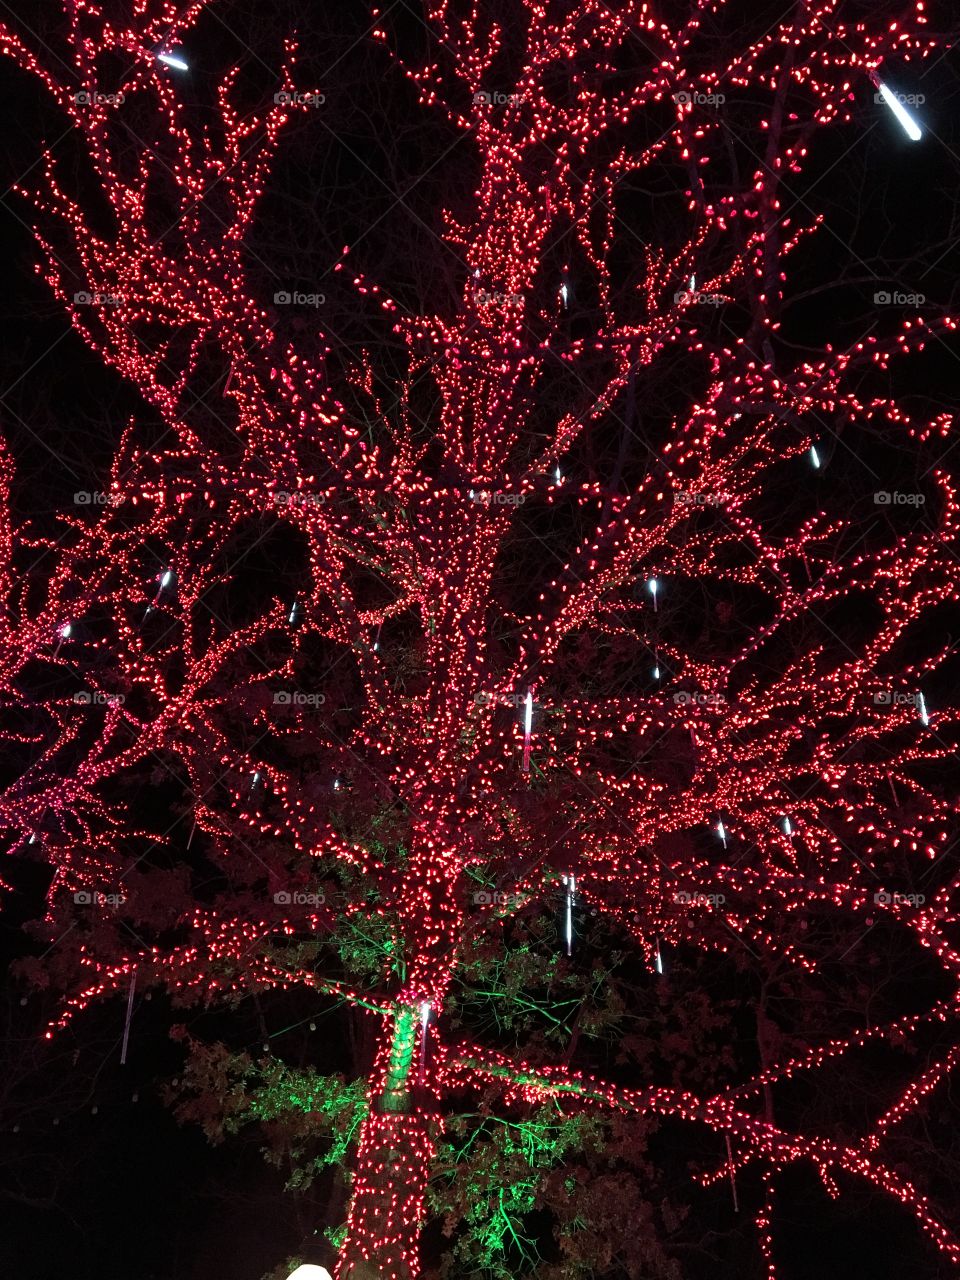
393,1164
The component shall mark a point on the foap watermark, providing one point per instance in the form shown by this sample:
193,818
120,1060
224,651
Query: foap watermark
684,898
294,98
294,698
94,698
695,99
696,499
897,298
95,898
905,99
299,499
694,297
294,298
684,699
494,498
496,99
502,700
496,897
84,498
890,698
94,98
85,299
298,898
884,899
495,297
886,498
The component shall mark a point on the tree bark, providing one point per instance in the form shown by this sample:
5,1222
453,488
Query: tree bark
393,1164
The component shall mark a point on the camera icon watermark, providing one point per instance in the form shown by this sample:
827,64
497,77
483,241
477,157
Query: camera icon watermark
94,698
905,99
696,499
694,297
293,98
694,99
897,298
85,299
93,98
886,498
496,297
684,699
298,898
294,298
298,499
496,898
485,99
684,898
293,698
492,498
889,698
94,898
884,899
503,700
84,498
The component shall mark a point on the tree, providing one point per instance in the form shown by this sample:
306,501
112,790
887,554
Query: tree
560,604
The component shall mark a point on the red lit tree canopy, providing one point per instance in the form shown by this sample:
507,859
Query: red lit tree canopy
566,604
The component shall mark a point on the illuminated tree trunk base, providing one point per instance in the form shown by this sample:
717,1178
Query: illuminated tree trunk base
387,1209
393,1164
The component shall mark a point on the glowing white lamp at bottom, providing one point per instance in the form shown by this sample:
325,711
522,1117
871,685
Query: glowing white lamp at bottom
310,1272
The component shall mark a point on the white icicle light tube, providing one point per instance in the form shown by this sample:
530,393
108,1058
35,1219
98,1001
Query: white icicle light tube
903,116
527,729
173,60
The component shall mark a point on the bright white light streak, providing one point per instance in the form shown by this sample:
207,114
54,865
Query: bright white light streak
571,883
564,294
815,457
166,578
721,832
653,586
658,958
922,707
527,729
787,826
904,118
173,60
